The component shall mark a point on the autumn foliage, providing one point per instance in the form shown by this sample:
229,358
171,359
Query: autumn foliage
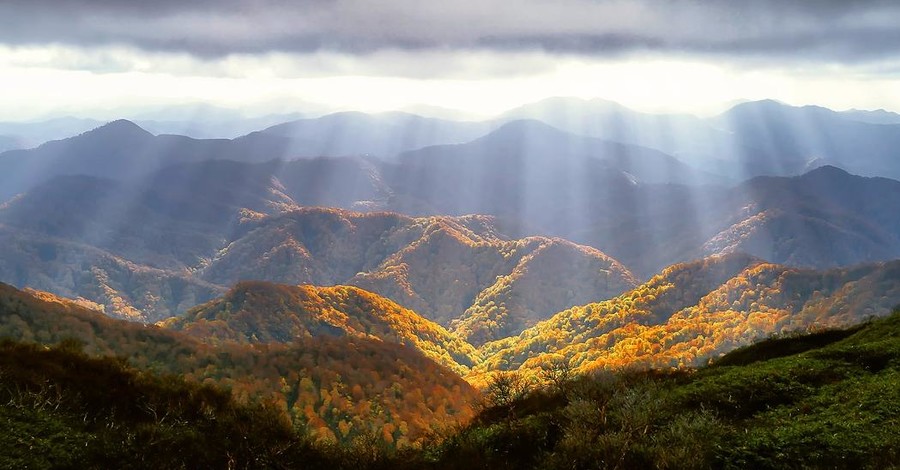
335,388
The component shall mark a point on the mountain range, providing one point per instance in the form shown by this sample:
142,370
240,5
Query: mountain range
168,215
365,273
160,254
641,206
339,361
751,139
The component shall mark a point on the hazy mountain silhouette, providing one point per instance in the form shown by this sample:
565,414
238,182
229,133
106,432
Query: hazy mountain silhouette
530,172
691,139
123,150
784,139
751,139
11,142
173,217
383,135
214,127
878,116
23,135
824,218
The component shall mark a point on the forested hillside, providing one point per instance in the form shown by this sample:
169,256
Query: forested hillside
811,400
693,312
335,388
63,409
260,312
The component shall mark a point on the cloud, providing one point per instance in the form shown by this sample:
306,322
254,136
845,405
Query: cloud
823,30
437,64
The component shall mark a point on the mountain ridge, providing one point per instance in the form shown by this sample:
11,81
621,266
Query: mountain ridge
675,321
261,312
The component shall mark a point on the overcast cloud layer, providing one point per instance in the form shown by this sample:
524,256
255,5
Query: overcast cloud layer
822,30
97,57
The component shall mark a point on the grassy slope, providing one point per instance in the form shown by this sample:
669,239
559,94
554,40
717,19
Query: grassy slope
830,400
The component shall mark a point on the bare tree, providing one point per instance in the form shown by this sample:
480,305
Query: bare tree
505,388
558,373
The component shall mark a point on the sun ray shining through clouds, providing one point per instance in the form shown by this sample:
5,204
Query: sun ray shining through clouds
476,234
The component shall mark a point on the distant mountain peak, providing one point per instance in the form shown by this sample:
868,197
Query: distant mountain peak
775,106
767,104
565,105
521,126
525,131
876,116
827,171
120,127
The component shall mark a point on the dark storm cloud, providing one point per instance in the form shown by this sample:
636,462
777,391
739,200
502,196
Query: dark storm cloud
830,30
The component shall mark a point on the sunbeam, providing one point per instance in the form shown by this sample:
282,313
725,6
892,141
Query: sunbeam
444,235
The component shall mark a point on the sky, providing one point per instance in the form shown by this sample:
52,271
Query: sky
107,58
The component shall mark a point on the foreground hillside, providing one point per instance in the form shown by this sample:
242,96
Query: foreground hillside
826,400
829,400
63,409
336,388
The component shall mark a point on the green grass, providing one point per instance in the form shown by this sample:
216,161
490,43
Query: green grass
827,400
